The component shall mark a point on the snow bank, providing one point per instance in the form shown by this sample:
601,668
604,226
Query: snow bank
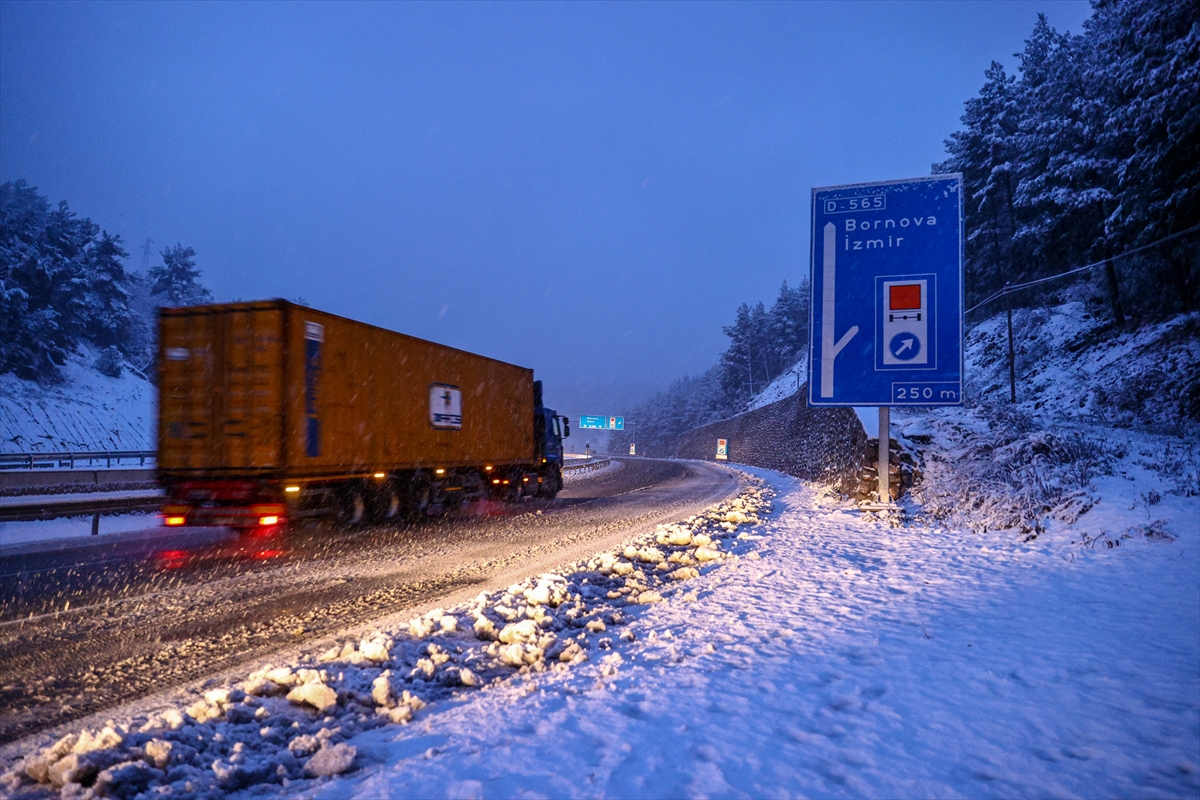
88,411
783,386
14,533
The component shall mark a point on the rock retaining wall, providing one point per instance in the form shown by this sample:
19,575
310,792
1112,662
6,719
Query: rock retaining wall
817,444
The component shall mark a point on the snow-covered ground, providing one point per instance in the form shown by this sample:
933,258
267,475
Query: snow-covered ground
52,530
783,386
814,650
1071,365
88,411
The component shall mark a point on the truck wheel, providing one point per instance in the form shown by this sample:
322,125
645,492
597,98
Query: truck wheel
386,503
352,507
552,485
418,497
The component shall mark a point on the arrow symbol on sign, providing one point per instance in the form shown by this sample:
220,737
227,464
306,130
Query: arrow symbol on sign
830,346
907,345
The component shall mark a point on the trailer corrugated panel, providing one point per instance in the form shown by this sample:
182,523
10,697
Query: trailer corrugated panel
220,386
281,390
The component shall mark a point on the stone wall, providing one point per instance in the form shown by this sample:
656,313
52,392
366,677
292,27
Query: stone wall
825,445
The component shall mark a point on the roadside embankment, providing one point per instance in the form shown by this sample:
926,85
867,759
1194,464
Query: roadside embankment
824,445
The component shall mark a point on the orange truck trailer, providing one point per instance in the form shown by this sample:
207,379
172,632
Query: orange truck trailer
271,411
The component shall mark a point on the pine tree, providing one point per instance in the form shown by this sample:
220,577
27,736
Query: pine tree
177,280
61,282
1149,64
984,153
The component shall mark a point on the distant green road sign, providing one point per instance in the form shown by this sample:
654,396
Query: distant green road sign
603,423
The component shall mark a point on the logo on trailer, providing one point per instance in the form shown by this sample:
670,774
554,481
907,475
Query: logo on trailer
445,406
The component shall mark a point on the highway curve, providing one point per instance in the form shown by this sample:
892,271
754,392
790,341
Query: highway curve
89,628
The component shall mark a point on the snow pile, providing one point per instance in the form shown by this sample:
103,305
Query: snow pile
87,411
284,724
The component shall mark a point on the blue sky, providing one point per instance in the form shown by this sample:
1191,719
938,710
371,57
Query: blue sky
588,189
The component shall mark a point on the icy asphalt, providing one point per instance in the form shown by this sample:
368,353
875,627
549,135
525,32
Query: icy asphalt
84,629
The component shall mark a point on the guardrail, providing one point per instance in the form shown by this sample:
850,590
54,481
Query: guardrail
87,459
36,509
588,467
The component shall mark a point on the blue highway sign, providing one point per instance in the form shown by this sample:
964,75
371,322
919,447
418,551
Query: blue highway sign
603,423
887,294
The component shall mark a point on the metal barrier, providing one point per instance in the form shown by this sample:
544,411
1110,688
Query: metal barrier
71,460
588,467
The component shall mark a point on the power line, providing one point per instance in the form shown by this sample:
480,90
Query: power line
1014,287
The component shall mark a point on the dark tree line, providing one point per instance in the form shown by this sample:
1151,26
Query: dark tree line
1091,151
763,344
63,284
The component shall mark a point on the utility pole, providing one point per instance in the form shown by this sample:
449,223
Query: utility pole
1012,361
146,255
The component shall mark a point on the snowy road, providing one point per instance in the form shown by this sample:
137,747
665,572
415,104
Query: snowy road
84,629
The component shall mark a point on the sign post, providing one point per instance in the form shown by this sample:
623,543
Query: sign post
887,298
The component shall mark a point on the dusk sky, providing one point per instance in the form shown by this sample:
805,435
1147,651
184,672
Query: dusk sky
586,189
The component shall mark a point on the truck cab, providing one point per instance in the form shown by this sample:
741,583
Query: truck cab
549,429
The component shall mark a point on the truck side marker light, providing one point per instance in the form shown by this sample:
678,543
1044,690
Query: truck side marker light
440,471
539,480
495,480
174,521
380,475
271,520
527,480
291,489
488,468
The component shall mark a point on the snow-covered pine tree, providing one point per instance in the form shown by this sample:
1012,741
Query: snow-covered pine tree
61,282
177,281
984,152
788,322
1148,62
109,318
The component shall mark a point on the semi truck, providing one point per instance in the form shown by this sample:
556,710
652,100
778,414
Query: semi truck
272,412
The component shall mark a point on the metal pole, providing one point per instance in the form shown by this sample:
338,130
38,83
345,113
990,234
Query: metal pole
1012,361
95,524
885,494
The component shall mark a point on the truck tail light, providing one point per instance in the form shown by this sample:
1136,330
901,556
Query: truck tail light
268,520
174,521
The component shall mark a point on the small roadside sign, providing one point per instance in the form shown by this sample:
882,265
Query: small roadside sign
722,450
887,294
633,449
602,423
